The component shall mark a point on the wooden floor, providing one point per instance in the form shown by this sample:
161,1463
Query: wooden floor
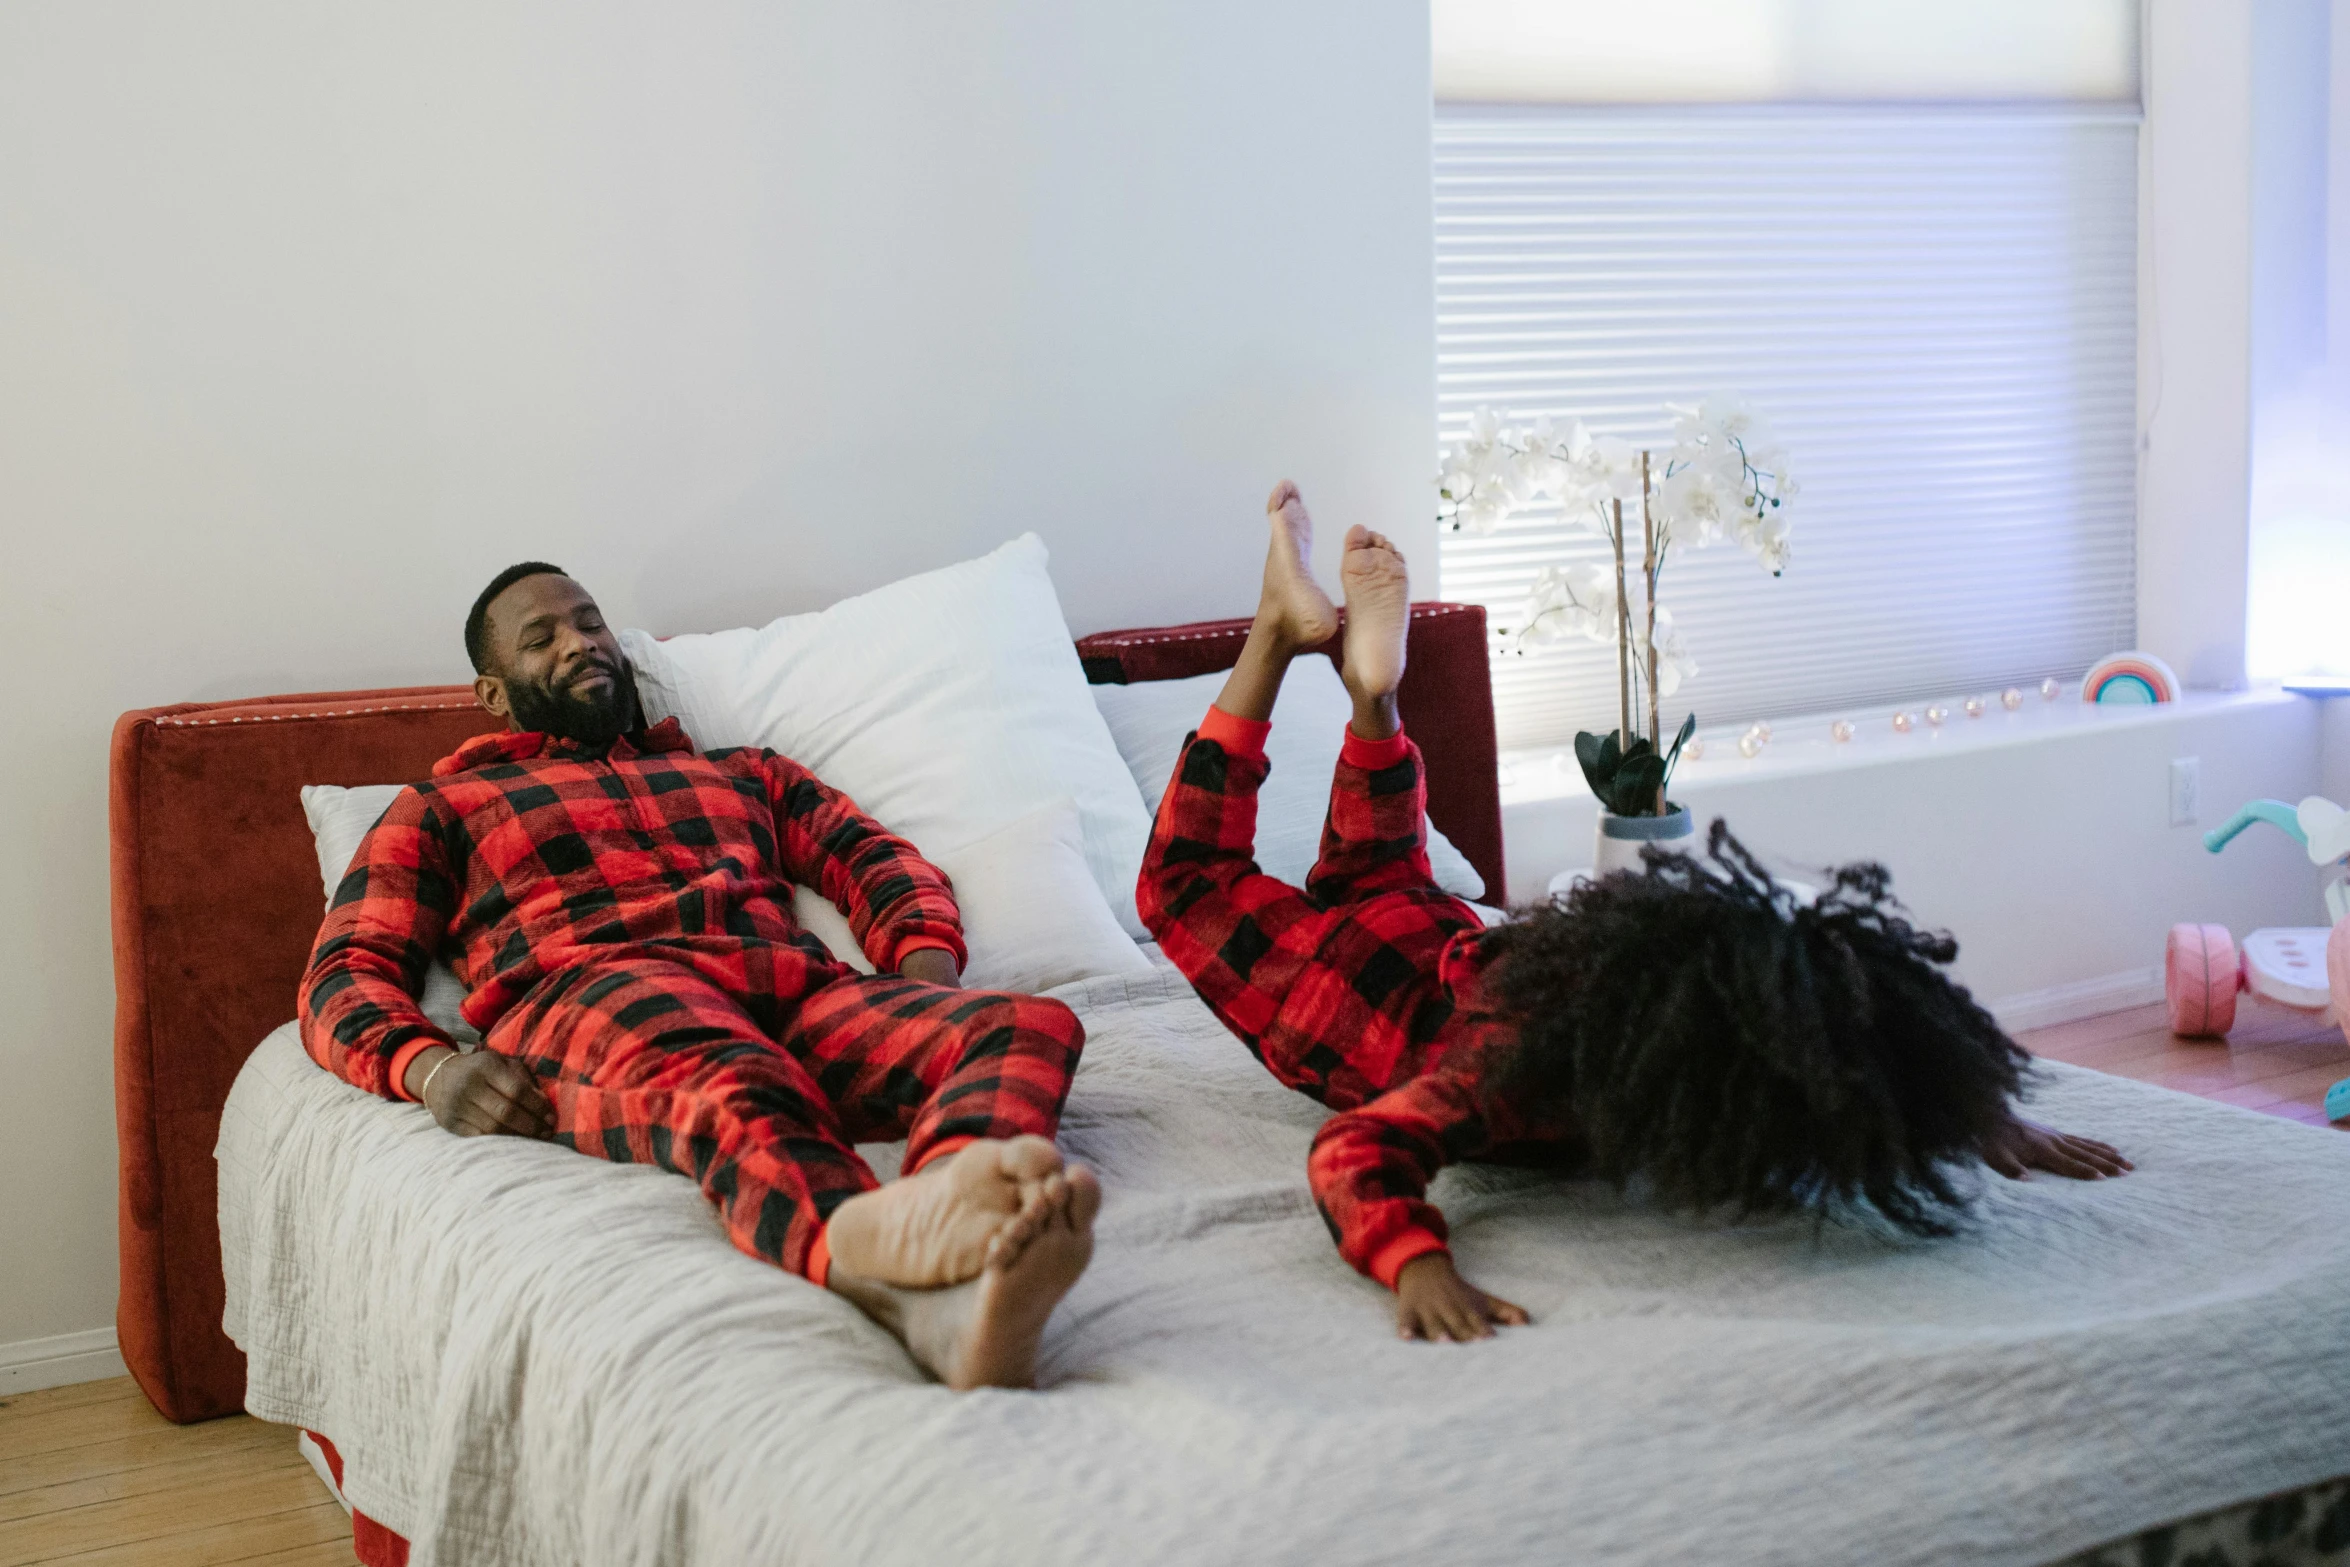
2277,1062
92,1476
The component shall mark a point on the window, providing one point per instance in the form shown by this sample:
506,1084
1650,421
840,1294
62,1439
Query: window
1933,304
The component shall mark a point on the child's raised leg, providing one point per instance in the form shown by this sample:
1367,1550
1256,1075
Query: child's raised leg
1375,838
1293,613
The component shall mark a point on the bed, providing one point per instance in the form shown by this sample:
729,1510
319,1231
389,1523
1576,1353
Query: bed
2147,1367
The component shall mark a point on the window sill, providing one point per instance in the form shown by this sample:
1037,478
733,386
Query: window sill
1802,746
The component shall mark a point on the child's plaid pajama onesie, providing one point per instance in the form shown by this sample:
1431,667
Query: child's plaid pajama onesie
1362,989
622,925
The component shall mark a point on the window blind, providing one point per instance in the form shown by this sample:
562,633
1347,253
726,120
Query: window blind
1935,309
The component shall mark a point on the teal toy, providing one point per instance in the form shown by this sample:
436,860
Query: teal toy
2306,968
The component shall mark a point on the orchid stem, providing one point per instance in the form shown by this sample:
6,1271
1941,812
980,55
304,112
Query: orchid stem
1648,571
1623,633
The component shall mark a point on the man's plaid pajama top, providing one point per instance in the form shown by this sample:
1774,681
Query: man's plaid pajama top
621,920
1363,989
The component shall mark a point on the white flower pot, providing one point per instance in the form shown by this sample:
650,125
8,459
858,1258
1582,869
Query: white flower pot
1621,838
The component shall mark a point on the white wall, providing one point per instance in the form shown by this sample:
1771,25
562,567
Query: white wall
313,317
2053,861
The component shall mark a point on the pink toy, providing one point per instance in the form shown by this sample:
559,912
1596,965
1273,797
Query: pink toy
2305,968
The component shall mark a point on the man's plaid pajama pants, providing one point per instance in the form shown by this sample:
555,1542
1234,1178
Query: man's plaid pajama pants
650,1060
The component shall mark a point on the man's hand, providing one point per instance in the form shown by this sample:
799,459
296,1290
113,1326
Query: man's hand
2027,1145
932,966
480,1093
1432,1301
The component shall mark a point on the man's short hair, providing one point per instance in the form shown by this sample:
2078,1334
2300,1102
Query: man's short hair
478,619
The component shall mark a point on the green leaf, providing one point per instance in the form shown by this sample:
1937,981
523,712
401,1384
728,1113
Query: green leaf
1673,757
1636,785
1587,752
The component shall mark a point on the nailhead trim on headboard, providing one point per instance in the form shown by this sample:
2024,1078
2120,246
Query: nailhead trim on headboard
281,718
1122,639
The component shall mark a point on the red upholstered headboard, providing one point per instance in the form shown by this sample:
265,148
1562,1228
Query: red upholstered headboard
1447,702
216,903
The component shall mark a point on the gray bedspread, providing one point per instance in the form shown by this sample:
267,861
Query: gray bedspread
530,1357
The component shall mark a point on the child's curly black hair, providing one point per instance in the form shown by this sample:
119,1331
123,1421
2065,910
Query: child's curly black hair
1738,1048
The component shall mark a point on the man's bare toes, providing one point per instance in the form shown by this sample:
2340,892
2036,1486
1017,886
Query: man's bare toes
937,1227
996,1345
1085,1197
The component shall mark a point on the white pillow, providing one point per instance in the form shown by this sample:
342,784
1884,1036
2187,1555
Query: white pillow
1032,916
1149,719
339,819
821,918
946,705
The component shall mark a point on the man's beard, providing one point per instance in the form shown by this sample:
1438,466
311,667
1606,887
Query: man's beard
593,720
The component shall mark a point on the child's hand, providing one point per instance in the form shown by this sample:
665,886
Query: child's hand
2027,1145
1432,1301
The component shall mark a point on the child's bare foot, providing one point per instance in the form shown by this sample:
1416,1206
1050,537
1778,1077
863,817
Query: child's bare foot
1378,592
984,1333
1293,604
936,1227
1432,1301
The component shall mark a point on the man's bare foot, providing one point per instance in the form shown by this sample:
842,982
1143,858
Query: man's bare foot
1293,604
1378,592
984,1333
935,1227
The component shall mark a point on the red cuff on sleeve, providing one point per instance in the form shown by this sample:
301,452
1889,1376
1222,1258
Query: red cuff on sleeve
820,1258
1388,1260
400,1060
1371,755
916,942
937,1151
1239,736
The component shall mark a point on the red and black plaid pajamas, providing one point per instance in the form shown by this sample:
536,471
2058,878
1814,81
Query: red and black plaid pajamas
1361,989
622,925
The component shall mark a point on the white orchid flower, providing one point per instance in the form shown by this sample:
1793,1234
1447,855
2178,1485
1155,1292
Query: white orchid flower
1579,601
1484,427
1613,466
1673,663
1728,413
1765,537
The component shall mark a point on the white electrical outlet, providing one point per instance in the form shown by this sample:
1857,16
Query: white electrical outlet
2186,790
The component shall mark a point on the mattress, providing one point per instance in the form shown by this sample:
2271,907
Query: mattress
531,1357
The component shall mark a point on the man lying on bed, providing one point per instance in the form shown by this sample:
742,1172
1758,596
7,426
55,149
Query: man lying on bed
1691,1026
618,905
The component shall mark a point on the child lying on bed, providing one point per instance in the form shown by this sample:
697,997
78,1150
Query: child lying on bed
1691,1026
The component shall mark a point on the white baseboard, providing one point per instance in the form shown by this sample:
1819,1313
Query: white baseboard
28,1365
2084,998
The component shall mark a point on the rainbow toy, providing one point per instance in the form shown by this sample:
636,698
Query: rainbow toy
2138,678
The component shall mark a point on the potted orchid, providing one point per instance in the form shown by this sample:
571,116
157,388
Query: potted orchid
1721,477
